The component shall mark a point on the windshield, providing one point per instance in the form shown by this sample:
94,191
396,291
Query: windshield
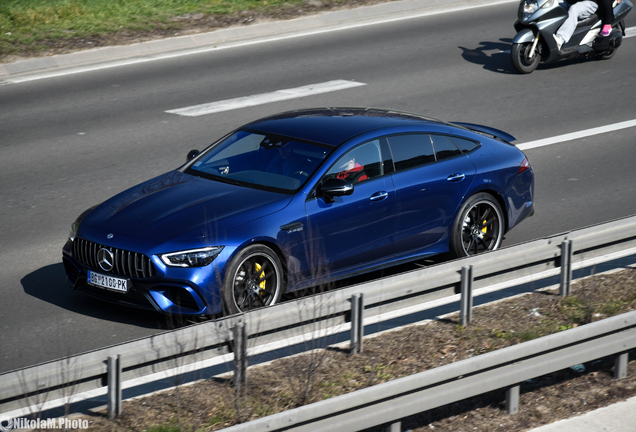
260,160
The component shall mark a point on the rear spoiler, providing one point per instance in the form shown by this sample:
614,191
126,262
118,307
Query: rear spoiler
496,133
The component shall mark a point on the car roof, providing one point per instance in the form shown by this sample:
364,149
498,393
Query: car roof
334,126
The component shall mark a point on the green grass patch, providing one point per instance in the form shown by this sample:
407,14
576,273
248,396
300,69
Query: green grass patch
164,428
611,308
221,413
578,310
32,25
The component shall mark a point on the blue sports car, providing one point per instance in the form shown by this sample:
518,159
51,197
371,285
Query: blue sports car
297,200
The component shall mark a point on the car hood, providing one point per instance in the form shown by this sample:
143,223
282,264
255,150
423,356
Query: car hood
177,206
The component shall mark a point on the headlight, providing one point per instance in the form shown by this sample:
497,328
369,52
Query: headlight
74,227
192,258
548,4
530,7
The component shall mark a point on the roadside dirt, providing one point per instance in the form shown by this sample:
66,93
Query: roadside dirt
213,404
184,25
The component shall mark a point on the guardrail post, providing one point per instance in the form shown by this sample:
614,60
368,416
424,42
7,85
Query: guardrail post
620,366
240,356
466,303
357,323
395,427
566,268
114,386
512,400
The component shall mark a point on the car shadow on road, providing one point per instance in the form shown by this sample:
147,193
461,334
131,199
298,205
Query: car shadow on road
493,56
49,284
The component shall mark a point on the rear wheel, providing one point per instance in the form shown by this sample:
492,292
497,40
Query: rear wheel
253,280
607,54
523,58
612,51
478,226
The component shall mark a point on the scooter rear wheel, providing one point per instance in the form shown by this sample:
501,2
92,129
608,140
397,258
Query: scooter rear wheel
521,59
607,54
610,52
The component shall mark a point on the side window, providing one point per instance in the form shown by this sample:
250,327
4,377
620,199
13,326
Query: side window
444,148
466,146
359,164
411,150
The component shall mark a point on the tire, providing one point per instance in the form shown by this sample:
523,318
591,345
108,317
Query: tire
520,53
610,53
478,226
254,279
607,54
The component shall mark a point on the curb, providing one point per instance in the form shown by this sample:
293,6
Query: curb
227,37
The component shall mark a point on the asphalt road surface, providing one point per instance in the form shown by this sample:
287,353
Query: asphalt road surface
69,142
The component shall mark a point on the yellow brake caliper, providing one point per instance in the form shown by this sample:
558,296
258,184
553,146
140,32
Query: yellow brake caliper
262,275
485,228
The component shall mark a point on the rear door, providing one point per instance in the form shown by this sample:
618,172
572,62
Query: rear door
432,176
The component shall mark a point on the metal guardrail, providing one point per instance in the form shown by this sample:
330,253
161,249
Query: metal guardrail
209,341
504,368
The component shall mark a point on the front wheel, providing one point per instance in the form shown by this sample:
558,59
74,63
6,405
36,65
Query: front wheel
478,227
523,58
254,279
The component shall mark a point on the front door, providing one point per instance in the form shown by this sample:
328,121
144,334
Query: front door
354,230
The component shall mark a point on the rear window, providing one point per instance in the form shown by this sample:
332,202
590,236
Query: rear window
444,148
466,146
411,150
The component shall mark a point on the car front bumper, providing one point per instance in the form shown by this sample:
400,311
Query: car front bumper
157,290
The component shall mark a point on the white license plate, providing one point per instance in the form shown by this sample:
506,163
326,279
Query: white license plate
108,282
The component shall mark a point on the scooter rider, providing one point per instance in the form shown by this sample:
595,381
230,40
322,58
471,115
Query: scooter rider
606,14
549,31
578,11
582,10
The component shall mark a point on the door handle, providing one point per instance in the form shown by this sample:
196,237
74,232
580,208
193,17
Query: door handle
456,177
379,196
291,226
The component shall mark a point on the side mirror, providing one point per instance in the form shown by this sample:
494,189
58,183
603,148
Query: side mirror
192,154
335,187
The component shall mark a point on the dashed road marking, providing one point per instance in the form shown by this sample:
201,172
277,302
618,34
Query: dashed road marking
577,135
263,98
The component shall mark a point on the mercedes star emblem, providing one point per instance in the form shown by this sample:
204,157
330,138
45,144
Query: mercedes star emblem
105,259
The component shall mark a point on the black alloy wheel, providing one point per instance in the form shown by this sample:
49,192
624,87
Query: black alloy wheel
478,227
253,280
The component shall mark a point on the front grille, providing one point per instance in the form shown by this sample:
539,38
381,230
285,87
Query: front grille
127,263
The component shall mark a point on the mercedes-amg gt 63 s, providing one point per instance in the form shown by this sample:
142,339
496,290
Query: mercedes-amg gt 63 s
297,200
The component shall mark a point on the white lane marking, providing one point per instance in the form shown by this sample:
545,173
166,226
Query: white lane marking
577,135
263,98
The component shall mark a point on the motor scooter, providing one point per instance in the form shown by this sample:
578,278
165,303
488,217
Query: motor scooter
540,19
